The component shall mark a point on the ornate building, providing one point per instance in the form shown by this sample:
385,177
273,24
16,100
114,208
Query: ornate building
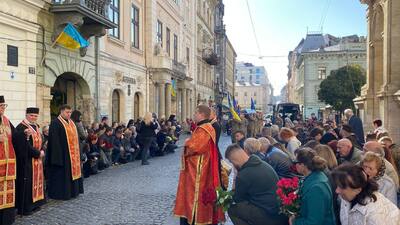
42,73
206,58
169,30
122,72
381,95
313,60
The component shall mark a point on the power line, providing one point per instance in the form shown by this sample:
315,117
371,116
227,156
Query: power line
263,56
324,14
254,29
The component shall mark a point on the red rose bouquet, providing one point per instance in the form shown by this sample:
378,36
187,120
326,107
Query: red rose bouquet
288,195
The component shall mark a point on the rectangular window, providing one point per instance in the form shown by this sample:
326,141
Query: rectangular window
321,73
135,27
160,32
113,15
168,41
12,55
187,55
175,48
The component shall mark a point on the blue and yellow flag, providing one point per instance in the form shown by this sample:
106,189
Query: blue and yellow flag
70,38
233,112
253,104
173,88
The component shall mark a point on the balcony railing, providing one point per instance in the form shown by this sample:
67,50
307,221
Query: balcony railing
179,69
93,11
210,57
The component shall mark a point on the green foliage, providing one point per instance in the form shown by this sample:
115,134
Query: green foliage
224,199
342,86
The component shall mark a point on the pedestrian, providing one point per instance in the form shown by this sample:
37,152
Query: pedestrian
199,175
147,135
376,147
356,124
7,160
255,190
63,157
361,203
374,166
316,200
29,152
347,152
287,135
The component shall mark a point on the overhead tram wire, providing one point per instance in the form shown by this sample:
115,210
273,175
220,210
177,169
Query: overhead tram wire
324,14
254,29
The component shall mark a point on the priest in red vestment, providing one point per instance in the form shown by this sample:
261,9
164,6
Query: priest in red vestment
7,168
199,176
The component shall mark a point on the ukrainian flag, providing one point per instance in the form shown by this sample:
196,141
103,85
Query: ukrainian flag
233,112
173,88
70,38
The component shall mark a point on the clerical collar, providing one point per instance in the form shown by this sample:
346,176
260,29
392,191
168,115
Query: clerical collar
203,122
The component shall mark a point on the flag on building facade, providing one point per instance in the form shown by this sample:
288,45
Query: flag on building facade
232,110
70,38
173,88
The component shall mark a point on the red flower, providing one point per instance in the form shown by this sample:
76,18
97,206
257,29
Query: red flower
209,196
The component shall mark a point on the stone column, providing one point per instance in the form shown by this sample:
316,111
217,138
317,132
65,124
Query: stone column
190,100
161,100
184,104
167,100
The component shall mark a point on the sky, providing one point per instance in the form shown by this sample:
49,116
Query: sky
281,24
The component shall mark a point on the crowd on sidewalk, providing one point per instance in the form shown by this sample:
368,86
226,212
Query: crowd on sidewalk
51,162
345,177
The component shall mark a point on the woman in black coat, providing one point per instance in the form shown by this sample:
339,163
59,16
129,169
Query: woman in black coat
147,134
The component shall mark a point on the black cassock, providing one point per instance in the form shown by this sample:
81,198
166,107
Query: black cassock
25,152
61,185
7,216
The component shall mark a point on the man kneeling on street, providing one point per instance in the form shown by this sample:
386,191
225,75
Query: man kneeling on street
255,190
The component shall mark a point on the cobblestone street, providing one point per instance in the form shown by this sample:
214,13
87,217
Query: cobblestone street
129,194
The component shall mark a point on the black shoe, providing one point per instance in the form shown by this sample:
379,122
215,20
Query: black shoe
145,163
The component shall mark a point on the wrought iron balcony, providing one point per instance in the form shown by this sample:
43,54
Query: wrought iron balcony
92,12
220,29
210,57
179,69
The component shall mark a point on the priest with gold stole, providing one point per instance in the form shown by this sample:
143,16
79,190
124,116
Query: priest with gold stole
7,168
63,157
199,176
30,177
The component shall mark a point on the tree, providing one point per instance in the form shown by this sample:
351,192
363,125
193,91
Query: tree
342,86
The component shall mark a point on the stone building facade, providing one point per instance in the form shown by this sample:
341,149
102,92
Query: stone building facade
230,65
138,51
206,58
313,60
244,91
122,72
49,75
381,94
248,75
169,29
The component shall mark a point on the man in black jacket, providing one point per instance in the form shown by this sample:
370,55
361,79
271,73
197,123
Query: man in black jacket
356,124
255,195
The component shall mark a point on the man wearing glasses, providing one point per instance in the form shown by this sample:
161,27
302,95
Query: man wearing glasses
7,168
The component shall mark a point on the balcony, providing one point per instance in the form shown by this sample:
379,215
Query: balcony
210,57
91,16
220,29
179,70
